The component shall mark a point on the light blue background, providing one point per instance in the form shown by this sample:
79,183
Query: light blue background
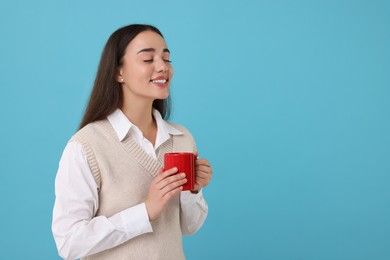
289,100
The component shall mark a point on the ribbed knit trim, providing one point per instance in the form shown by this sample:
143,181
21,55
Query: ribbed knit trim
93,165
165,147
150,164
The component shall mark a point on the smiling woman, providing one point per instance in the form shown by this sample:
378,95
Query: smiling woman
145,73
113,198
107,93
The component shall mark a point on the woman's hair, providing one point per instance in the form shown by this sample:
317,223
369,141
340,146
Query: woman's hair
106,95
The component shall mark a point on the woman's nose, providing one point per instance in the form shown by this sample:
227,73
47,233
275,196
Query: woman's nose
161,66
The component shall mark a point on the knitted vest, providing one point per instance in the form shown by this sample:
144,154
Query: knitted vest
123,172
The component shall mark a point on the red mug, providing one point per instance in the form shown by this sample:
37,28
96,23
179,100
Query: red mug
185,162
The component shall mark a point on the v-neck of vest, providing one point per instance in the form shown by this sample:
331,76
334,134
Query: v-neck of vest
150,164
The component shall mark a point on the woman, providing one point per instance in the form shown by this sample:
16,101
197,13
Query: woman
113,199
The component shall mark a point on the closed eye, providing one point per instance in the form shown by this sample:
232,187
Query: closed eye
151,60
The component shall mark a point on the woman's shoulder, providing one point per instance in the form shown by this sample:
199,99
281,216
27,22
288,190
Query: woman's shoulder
179,127
90,130
183,140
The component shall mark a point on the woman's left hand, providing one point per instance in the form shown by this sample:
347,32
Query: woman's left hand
203,172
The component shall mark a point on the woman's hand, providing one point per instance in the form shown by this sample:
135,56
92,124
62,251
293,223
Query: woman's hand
203,172
164,187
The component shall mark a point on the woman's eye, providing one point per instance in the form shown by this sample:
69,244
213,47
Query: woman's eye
151,60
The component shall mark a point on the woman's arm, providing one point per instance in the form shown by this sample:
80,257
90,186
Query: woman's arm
77,232
193,212
194,208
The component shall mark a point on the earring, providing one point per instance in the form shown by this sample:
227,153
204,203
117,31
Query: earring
121,80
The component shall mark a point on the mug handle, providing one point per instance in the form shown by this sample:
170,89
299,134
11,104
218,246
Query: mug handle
195,158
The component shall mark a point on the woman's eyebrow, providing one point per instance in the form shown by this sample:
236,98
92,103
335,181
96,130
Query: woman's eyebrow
152,50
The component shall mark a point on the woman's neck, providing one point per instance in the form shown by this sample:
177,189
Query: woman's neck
140,114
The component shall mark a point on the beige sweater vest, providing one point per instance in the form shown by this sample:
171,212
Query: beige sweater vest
123,173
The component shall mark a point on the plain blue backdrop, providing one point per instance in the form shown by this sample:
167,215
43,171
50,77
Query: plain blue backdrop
289,100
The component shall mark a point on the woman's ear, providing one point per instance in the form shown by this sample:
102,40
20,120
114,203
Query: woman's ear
119,77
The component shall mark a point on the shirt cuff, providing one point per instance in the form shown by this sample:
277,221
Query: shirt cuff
134,221
188,197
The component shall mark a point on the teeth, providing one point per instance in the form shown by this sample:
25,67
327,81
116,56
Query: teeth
159,81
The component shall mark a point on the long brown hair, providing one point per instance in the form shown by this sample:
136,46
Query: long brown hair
106,95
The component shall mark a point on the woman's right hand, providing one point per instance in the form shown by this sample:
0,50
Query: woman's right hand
164,187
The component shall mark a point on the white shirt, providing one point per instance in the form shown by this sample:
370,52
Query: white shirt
77,232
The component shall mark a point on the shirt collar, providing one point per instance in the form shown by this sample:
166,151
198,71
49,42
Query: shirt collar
164,130
122,126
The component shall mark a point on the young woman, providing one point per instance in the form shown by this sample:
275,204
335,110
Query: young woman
113,199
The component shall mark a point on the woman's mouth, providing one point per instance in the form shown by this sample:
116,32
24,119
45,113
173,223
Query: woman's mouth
160,82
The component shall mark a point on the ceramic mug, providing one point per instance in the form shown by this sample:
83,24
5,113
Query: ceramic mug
185,162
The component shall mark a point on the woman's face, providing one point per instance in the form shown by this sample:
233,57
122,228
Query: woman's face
146,72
